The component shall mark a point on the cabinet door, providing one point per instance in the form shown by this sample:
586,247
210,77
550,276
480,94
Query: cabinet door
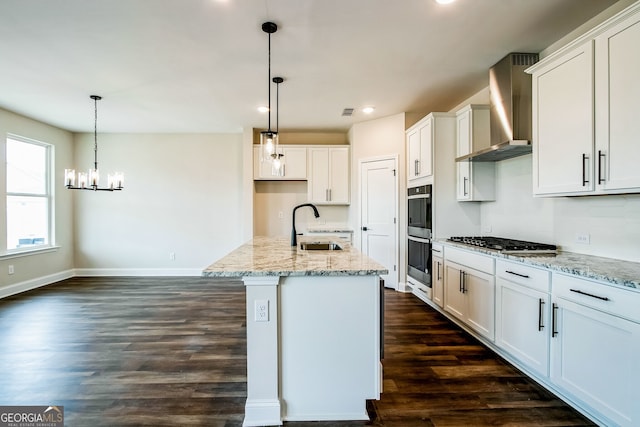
463,184
617,60
522,324
413,148
295,163
318,186
339,175
594,357
463,135
437,280
479,290
563,124
454,298
425,166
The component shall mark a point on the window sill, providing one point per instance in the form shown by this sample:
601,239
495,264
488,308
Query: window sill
28,252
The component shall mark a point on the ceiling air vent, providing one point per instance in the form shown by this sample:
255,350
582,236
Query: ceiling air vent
347,112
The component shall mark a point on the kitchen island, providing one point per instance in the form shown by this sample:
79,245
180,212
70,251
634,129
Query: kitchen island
313,330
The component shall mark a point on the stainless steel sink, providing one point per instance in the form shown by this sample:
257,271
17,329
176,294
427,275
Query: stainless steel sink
316,246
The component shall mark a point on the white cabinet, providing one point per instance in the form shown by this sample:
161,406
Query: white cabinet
437,275
469,290
328,175
617,92
294,164
420,149
475,180
590,84
523,307
595,346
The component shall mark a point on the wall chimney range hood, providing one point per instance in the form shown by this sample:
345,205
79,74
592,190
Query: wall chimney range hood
510,114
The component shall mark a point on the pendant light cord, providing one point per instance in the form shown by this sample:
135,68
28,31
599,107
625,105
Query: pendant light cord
95,133
269,82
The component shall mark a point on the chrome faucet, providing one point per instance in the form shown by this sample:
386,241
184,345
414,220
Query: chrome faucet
294,238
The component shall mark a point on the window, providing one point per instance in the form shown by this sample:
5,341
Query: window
29,201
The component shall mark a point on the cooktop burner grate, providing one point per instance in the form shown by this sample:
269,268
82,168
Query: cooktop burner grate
507,246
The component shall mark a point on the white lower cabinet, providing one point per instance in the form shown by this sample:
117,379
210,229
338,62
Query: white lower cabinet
595,346
437,275
523,314
469,290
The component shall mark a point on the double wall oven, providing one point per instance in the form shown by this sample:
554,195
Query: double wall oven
419,209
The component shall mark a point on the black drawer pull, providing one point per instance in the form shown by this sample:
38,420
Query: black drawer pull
578,291
554,319
517,274
540,305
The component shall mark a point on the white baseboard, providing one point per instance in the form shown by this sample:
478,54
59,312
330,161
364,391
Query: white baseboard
28,285
133,272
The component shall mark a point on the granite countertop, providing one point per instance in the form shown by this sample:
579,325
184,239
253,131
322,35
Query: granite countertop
613,271
273,256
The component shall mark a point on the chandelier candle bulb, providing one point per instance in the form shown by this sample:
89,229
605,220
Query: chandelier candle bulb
82,179
69,177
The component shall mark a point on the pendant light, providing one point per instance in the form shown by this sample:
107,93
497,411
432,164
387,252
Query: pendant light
91,180
277,167
268,138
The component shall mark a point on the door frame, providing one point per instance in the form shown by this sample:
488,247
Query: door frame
358,231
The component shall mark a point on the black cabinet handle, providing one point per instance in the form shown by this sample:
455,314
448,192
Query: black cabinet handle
464,186
600,156
578,291
415,167
554,319
540,305
517,274
438,272
584,169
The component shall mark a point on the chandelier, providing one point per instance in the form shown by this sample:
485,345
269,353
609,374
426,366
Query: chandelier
91,180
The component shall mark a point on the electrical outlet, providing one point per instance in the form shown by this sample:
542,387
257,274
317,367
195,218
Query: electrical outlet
583,238
172,256
11,269
261,310
281,215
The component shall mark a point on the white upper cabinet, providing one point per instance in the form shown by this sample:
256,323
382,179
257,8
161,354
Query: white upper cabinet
617,93
294,164
420,149
328,175
586,99
475,180
563,124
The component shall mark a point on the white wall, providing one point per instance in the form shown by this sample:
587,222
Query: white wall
183,194
30,267
374,139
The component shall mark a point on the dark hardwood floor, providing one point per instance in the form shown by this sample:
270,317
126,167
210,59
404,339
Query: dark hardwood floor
171,352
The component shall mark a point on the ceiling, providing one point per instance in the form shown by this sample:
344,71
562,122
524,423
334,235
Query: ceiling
200,66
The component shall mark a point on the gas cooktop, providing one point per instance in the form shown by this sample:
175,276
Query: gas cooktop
507,246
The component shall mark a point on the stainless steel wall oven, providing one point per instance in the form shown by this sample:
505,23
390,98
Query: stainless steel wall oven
419,237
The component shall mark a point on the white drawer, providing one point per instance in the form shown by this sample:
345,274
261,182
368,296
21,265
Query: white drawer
437,249
521,274
603,297
473,260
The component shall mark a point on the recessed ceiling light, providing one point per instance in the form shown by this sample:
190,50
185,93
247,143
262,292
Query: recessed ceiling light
445,1
263,109
368,110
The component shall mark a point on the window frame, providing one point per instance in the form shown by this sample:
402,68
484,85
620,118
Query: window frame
48,196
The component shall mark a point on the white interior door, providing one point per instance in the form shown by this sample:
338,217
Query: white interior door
378,215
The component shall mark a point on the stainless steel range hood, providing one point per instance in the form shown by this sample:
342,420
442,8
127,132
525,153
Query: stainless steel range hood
510,114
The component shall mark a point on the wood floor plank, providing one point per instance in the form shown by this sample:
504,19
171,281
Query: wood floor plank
172,352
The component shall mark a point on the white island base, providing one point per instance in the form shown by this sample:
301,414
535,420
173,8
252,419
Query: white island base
314,352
